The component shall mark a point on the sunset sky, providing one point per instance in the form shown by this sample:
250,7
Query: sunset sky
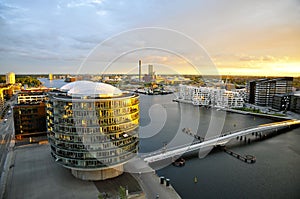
258,37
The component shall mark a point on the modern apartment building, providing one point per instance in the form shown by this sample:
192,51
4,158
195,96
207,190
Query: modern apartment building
281,102
207,96
295,103
93,128
262,91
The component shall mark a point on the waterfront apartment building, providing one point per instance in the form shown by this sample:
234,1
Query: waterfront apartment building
295,103
93,128
261,92
281,102
207,96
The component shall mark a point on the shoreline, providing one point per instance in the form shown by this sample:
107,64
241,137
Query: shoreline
256,114
237,111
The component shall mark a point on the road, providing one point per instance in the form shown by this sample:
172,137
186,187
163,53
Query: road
6,134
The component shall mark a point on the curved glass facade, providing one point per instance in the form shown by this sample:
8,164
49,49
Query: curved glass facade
91,133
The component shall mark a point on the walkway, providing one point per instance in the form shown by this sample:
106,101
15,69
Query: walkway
213,141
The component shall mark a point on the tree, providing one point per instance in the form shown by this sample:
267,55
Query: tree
30,81
100,196
122,193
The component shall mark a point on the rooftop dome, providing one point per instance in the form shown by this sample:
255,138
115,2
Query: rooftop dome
90,89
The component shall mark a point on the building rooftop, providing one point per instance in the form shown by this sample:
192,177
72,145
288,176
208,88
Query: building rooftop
90,89
273,79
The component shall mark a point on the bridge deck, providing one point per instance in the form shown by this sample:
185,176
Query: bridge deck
213,141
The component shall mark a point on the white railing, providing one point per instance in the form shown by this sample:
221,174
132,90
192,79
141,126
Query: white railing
179,150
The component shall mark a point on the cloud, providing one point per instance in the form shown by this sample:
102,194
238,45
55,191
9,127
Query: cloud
240,34
80,3
265,58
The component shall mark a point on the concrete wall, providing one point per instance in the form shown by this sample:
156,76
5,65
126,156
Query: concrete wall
102,174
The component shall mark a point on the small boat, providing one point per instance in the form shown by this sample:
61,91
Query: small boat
180,162
195,179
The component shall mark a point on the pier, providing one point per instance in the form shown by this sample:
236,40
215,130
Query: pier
247,158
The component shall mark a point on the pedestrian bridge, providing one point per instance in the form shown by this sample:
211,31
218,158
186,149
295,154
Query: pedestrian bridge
214,141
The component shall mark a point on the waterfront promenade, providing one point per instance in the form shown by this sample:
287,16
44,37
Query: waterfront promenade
149,180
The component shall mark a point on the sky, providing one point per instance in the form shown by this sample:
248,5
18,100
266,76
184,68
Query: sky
228,37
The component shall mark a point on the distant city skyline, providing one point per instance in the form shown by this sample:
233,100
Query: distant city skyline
237,38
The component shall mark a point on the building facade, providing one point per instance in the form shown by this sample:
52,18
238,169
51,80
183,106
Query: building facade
29,120
295,103
50,76
207,96
261,92
281,102
150,70
30,113
10,78
93,128
29,97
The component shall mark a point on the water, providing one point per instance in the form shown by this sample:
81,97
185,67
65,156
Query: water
275,174
52,83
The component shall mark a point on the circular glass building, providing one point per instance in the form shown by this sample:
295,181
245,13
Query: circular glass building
93,128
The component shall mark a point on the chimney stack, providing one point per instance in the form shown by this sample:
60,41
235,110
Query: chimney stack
140,70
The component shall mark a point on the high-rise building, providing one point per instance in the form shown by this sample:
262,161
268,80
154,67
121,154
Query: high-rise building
150,70
50,76
140,70
262,91
93,128
10,78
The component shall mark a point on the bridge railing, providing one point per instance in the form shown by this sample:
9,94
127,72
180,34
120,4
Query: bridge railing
258,128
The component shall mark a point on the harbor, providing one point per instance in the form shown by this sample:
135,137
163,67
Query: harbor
198,175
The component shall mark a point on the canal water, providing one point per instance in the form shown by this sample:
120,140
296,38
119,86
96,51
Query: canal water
275,174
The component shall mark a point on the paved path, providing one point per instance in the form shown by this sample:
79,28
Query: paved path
149,181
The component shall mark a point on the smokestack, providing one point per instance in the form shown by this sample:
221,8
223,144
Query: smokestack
140,70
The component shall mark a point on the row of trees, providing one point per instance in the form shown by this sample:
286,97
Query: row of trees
29,81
